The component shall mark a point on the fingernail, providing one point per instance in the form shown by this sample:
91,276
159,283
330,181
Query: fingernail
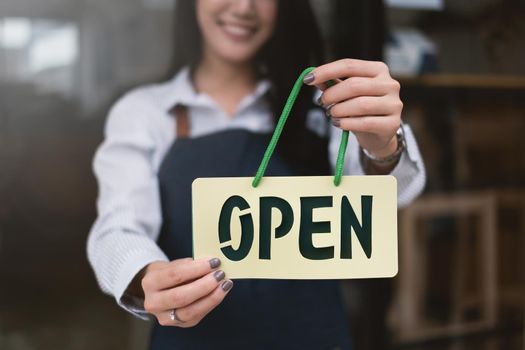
320,100
219,275
214,263
309,78
329,112
226,285
336,122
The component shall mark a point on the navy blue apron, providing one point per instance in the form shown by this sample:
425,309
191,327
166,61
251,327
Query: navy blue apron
256,314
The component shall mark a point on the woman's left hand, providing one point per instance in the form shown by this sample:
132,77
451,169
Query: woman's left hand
365,100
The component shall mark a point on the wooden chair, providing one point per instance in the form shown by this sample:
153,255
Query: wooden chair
413,325
488,140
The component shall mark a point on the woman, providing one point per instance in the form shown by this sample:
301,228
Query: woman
237,60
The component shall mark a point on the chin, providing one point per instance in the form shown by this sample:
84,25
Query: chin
239,57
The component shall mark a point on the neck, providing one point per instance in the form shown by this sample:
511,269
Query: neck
213,74
226,82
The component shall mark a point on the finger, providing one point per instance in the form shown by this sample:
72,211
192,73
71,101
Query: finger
365,106
192,314
358,86
178,272
185,294
169,318
327,84
369,124
346,68
199,309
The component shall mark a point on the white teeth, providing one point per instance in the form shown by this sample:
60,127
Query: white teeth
237,30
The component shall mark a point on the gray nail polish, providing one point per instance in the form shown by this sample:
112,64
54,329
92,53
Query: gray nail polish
226,285
320,101
309,78
214,263
219,275
336,122
329,112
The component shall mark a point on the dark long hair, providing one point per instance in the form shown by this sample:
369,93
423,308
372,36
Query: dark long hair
295,44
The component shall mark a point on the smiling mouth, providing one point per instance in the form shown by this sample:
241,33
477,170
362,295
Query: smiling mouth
237,31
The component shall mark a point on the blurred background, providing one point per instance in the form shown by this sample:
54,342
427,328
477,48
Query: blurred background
461,283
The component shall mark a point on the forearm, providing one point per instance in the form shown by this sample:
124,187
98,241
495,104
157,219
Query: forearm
118,258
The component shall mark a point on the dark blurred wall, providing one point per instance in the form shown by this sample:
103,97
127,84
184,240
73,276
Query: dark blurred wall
359,29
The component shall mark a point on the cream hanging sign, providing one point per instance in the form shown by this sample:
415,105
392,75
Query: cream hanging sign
298,227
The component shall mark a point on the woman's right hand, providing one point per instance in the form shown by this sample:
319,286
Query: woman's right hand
189,288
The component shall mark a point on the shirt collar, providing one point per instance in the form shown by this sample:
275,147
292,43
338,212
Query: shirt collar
180,90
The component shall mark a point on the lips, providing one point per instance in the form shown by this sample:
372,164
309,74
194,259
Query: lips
237,31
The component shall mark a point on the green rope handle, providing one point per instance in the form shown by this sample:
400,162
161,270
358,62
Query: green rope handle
279,128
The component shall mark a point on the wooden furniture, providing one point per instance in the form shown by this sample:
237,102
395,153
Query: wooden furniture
470,130
412,323
470,121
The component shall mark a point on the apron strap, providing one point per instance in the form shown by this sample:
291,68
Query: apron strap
182,121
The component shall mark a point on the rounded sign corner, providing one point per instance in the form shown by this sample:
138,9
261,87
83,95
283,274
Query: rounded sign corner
394,272
392,178
196,181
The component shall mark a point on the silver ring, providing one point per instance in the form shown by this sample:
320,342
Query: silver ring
173,316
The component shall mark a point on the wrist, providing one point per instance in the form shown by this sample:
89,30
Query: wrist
384,152
389,154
